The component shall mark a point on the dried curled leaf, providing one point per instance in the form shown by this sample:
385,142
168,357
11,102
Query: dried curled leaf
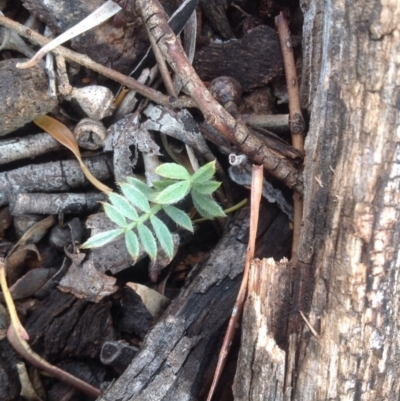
63,135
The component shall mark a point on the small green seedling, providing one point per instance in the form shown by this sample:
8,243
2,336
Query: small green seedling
135,210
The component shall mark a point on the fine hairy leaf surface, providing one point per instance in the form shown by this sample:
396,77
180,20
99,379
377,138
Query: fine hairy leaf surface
206,188
123,206
132,244
141,186
147,240
114,215
135,197
179,217
101,239
163,235
174,193
206,206
204,173
173,170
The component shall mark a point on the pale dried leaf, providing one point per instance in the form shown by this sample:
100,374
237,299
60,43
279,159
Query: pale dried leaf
154,302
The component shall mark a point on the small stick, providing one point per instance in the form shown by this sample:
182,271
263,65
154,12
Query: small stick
85,61
297,125
162,65
256,191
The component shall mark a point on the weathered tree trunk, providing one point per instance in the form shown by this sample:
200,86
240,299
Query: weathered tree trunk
347,279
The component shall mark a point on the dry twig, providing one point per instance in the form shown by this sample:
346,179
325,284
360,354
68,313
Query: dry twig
256,191
296,120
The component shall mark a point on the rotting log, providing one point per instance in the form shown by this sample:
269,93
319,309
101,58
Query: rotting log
178,356
346,281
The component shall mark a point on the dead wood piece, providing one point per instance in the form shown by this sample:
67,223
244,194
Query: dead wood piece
85,281
63,326
133,317
179,125
27,147
39,203
90,134
214,113
215,12
253,60
118,47
52,177
121,137
24,95
9,382
117,354
261,363
177,359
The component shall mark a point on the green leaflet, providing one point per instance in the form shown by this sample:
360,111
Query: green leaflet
206,206
206,188
123,206
132,244
179,217
142,187
136,197
160,185
147,240
174,193
163,235
114,215
173,170
204,173
101,239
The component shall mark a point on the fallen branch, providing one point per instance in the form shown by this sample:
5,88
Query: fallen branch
214,113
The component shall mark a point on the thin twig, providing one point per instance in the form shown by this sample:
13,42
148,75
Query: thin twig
162,65
256,191
85,61
297,125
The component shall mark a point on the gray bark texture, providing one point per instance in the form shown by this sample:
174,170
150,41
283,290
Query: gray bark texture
347,280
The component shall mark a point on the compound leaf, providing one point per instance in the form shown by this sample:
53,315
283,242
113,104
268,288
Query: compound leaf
163,235
101,239
147,240
179,217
